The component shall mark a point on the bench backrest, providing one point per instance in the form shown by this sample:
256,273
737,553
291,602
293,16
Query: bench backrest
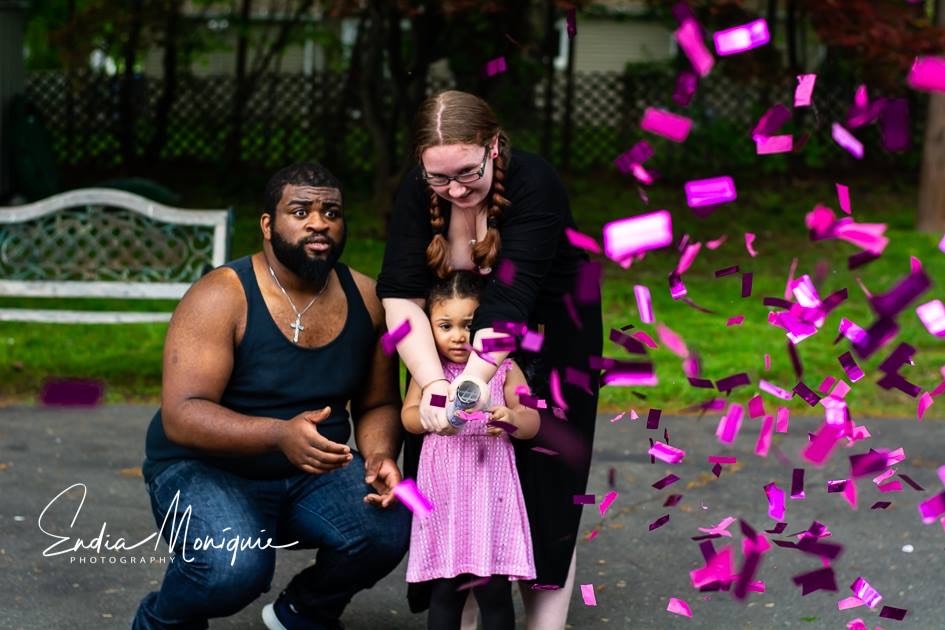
99,242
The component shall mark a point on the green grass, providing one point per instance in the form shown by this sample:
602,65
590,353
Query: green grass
128,357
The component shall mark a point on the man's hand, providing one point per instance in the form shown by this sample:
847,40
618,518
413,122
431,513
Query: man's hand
381,473
308,449
433,418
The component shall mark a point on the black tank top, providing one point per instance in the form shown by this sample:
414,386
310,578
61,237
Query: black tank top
272,377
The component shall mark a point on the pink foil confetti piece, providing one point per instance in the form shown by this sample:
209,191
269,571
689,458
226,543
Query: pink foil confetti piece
774,390
756,407
717,569
721,529
633,235
850,602
391,338
689,37
846,140
771,145
735,321
587,593
532,341
645,339
797,484
710,192
738,39
722,459
557,394
865,593
687,257
671,126
783,420
823,443
582,241
494,67
592,535
763,445
843,197
715,244
606,502
658,522
889,612
749,244
672,341
506,272
410,495
436,400
545,451
678,607
767,361
820,579
804,89
927,74
666,481
644,303
775,501
932,316
925,401
730,424
932,509
667,453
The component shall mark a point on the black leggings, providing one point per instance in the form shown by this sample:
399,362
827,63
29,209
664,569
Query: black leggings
494,598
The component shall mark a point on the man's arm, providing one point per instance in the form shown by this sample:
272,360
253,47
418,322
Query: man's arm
198,363
375,410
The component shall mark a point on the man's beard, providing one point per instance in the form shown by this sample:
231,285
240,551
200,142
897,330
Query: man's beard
314,270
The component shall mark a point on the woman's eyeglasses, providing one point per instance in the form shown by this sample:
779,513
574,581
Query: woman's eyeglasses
462,178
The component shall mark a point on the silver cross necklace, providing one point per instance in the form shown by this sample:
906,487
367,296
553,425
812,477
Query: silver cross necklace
297,324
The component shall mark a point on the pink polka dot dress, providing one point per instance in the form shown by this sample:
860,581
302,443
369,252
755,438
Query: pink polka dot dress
478,524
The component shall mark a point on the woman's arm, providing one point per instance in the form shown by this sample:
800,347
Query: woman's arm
419,353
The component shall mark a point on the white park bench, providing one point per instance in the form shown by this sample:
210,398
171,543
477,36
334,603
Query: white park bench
104,243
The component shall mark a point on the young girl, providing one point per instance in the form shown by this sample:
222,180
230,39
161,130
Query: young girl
477,535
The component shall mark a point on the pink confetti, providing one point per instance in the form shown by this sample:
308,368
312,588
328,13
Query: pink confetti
721,529
846,140
850,602
666,124
774,390
410,496
932,509
658,522
767,361
925,401
823,443
605,503
775,501
865,593
763,445
545,451
843,196
672,341
927,74
735,321
391,338
714,245
532,341
633,235
689,36
730,424
495,66
644,303
756,407
678,607
587,592
932,315
582,241
688,255
804,89
591,536
506,272
666,453
741,38
717,569
770,145
749,244
556,393
645,339
710,192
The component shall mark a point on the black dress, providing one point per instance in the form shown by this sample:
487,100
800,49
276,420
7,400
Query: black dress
546,270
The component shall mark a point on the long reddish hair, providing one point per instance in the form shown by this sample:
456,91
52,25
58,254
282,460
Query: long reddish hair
454,117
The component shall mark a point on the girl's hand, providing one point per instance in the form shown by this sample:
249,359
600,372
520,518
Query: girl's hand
505,416
433,418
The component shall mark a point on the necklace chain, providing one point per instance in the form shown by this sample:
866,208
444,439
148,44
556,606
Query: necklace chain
297,325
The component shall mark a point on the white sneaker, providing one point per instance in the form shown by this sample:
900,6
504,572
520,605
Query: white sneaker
270,619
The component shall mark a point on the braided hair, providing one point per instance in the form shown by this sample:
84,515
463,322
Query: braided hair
457,284
454,117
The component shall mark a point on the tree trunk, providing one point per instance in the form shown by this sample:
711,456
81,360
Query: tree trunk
568,134
547,143
169,90
931,213
238,108
126,98
371,96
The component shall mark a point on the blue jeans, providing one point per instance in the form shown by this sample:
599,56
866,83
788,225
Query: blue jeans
358,544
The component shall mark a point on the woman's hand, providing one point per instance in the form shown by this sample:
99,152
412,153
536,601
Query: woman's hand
433,418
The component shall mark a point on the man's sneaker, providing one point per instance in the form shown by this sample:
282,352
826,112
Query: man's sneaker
282,615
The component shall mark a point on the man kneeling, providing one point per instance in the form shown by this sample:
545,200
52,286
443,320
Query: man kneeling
262,357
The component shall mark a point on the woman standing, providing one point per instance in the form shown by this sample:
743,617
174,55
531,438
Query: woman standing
473,203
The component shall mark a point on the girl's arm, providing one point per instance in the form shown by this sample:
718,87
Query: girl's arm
410,413
525,418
